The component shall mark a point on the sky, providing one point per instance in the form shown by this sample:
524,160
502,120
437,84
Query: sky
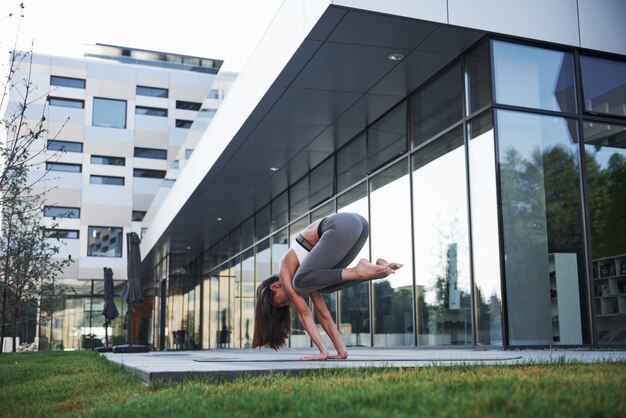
222,29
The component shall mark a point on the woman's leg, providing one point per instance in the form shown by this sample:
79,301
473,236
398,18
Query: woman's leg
344,236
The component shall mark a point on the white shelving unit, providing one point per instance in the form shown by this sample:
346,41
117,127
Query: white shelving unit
564,299
609,280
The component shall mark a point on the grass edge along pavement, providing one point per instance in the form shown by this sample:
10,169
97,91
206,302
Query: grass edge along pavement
85,384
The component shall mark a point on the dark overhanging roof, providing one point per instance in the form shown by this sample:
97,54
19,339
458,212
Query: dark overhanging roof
338,82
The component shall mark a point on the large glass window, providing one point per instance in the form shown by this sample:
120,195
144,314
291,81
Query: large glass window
180,104
299,198
351,163
280,211
477,79
104,241
390,238
262,222
441,257
247,298
485,231
542,229
109,113
605,156
534,77
299,337
386,139
321,182
437,106
604,86
354,302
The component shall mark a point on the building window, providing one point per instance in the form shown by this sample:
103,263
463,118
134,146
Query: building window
138,215
66,146
213,94
437,106
188,153
77,83
604,86
478,78
182,123
157,154
150,111
280,211
321,182
152,174
386,139
63,102
104,241
103,160
188,105
542,233
299,198
351,163
151,91
110,180
61,212
175,164
109,113
62,233
65,167
534,77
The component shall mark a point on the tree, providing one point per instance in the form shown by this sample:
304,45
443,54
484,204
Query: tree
26,248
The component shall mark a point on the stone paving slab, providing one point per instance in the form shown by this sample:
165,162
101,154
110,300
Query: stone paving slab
176,365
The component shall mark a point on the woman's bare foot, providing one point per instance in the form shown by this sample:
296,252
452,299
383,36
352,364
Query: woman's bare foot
366,270
393,266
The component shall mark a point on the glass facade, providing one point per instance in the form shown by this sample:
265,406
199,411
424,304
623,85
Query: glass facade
109,113
497,184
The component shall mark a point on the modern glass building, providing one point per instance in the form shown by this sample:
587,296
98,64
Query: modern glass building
485,143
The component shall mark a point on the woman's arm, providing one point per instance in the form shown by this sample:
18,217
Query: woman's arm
326,320
288,266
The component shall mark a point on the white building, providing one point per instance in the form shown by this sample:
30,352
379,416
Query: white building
116,122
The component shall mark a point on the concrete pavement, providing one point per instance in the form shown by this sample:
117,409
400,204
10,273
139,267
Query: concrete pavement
176,365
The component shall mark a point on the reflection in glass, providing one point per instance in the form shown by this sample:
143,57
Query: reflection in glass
485,237
477,78
605,157
386,139
104,241
604,85
351,163
542,228
280,212
354,302
437,106
321,182
299,198
109,113
390,238
224,315
235,304
442,277
534,77
247,298
262,222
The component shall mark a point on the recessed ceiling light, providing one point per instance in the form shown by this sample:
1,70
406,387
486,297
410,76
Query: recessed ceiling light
273,168
189,248
395,57
219,219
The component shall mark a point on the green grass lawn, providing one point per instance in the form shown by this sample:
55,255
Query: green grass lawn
85,384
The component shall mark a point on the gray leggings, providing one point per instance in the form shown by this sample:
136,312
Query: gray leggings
343,236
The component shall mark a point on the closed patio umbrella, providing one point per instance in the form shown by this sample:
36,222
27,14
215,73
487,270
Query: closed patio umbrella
109,310
132,293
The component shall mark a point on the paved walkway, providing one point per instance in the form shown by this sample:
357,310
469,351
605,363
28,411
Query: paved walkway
175,365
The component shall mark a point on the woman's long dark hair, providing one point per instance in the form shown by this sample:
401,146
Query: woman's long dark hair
272,325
